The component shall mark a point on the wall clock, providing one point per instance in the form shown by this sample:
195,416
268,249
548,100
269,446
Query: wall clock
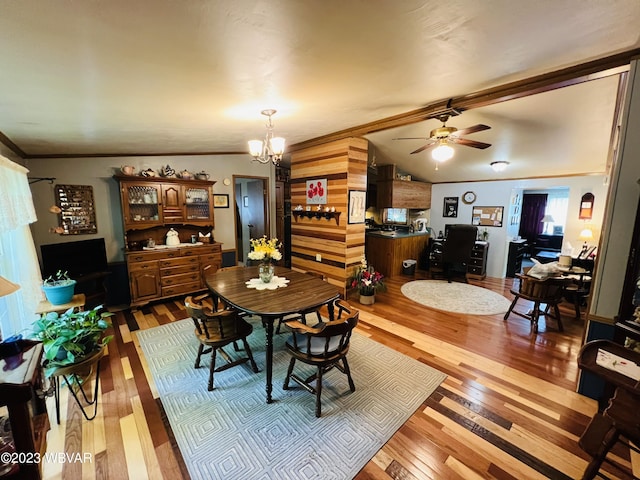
226,181
468,197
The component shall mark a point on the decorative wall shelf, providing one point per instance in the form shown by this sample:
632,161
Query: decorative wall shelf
318,215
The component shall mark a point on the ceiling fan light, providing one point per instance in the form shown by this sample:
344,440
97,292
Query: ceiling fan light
277,145
442,153
499,166
255,148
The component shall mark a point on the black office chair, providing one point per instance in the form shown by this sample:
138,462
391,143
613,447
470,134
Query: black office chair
456,251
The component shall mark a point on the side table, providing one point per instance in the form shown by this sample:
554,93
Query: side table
77,301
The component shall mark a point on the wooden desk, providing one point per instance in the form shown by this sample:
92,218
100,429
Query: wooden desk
27,411
304,292
77,301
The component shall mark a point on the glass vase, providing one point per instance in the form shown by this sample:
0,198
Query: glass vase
265,272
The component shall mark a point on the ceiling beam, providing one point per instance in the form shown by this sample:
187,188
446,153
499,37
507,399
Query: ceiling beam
584,72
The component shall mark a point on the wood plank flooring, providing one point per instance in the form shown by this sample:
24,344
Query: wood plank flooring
508,409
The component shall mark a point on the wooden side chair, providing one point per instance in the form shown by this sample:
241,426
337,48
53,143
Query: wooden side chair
215,330
302,316
324,346
619,422
548,292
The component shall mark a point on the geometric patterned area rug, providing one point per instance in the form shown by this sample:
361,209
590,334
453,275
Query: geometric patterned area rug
456,297
232,433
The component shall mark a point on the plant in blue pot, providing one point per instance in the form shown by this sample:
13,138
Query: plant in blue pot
59,288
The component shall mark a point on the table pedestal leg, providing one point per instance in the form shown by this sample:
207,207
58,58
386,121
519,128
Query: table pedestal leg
268,323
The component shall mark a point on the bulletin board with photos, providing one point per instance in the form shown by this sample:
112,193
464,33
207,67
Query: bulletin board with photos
487,216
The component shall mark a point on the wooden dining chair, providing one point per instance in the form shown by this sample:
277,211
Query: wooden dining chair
324,346
548,292
215,330
302,316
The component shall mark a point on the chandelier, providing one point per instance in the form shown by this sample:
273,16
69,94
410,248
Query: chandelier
272,148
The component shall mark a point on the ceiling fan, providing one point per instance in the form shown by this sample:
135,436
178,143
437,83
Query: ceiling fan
441,137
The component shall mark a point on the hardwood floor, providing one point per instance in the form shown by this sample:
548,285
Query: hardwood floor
507,410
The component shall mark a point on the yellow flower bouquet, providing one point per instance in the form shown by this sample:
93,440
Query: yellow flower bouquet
264,250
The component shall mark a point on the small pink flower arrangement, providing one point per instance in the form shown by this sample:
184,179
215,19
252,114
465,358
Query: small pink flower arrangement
366,279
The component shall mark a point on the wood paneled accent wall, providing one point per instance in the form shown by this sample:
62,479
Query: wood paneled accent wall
341,245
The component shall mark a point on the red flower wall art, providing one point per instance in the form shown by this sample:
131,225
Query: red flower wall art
317,192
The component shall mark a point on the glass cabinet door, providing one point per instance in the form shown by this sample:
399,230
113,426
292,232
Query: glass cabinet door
198,203
141,203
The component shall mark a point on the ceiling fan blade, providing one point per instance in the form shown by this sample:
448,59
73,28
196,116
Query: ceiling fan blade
412,138
473,129
424,147
469,143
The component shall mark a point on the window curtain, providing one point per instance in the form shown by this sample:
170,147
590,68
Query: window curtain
557,206
18,257
533,208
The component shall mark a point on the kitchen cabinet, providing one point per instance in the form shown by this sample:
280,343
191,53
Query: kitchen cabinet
391,192
403,194
386,253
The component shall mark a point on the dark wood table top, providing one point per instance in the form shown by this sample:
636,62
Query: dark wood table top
303,292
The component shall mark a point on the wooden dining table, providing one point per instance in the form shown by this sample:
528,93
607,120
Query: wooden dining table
303,293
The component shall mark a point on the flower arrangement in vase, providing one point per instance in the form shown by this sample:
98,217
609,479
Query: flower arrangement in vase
265,251
367,280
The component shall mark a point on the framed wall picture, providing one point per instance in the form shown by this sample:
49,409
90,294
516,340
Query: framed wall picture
487,216
317,192
357,206
450,207
77,213
221,200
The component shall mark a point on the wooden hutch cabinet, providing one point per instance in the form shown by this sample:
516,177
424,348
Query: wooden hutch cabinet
152,206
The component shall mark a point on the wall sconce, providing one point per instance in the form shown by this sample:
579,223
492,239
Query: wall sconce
586,206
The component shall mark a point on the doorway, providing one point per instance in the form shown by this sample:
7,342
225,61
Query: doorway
251,198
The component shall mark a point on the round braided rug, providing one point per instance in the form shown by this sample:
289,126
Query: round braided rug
456,297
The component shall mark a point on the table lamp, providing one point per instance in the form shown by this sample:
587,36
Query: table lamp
547,219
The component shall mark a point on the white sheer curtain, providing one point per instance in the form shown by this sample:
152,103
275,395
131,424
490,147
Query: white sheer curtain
18,258
557,206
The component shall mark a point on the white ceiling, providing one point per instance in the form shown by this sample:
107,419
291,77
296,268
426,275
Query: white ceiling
164,76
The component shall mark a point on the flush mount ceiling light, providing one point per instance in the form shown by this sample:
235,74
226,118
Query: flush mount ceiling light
271,148
499,166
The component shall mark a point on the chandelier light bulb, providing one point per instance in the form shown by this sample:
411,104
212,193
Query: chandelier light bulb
255,148
277,145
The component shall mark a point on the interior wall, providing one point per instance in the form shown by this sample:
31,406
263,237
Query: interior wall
98,172
621,208
340,245
501,193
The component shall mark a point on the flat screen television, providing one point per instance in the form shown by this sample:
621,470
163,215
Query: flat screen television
77,258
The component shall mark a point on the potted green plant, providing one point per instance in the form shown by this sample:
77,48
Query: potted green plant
59,288
70,337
